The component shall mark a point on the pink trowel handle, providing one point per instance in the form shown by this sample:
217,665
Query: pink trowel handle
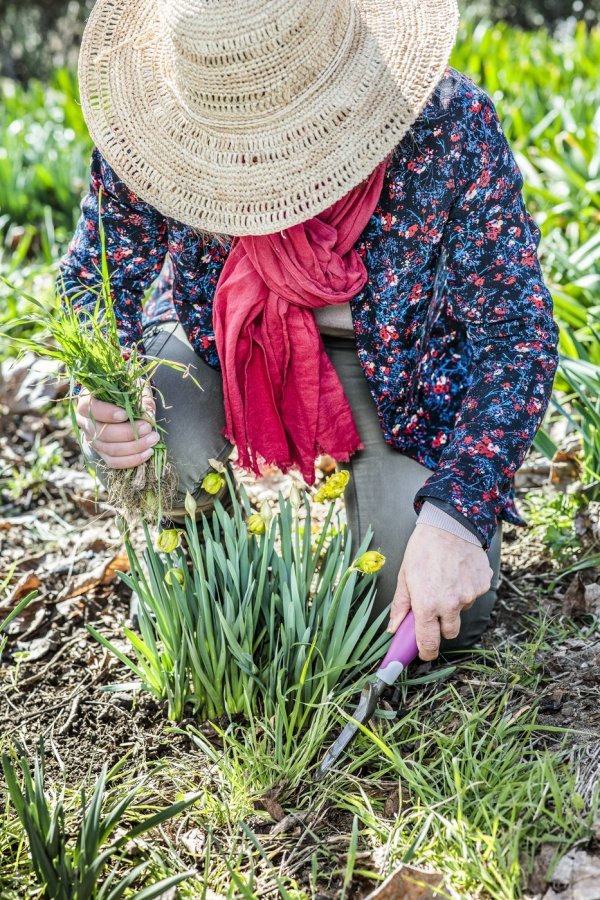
403,650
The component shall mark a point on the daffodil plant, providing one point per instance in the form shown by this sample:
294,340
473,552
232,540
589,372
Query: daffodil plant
245,612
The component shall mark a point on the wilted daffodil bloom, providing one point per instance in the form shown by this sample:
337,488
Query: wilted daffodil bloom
256,524
174,575
295,497
190,505
370,562
168,540
333,488
266,513
213,483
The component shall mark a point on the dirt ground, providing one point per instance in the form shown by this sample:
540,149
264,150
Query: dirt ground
58,538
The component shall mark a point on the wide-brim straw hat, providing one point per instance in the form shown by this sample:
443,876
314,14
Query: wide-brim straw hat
248,116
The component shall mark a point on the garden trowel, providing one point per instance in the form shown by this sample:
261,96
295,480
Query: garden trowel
402,651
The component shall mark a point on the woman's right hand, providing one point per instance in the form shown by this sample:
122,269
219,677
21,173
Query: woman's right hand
109,432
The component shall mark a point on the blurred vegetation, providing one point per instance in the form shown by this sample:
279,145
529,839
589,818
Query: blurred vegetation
44,155
37,36
536,13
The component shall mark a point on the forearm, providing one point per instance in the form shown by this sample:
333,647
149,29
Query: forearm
135,248
509,394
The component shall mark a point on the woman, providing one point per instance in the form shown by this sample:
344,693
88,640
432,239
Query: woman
382,300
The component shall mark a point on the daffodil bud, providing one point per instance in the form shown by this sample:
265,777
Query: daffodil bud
190,505
174,575
370,562
295,497
123,525
217,465
334,487
256,524
266,513
168,540
213,483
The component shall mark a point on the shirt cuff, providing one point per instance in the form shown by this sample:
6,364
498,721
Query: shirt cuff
433,515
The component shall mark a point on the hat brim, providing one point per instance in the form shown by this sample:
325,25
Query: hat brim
275,172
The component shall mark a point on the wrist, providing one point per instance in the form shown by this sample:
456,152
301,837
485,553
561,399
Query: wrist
436,518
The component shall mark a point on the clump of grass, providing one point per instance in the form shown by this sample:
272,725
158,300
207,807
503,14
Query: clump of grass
83,337
29,477
480,782
467,782
234,621
72,866
18,609
553,516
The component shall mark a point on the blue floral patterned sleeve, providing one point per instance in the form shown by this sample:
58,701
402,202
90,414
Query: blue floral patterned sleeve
496,290
136,245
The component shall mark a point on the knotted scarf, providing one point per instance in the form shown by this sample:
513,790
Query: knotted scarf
284,403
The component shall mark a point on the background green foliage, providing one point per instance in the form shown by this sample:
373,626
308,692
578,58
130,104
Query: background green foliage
39,35
536,13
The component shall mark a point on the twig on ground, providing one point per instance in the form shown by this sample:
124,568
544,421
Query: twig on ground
44,710
514,588
72,713
38,676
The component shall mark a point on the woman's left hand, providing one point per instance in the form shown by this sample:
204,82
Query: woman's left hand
441,575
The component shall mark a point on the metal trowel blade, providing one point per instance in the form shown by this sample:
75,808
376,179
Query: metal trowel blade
367,705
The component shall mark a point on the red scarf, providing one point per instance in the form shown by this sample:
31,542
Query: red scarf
284,403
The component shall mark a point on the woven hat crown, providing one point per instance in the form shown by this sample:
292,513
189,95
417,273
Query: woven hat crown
230,75
249,116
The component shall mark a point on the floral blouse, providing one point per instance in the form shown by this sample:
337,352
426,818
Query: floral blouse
454,328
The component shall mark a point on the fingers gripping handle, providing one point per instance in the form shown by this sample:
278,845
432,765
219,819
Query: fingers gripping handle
402,651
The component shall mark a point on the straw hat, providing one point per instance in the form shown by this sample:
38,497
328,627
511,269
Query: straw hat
249,116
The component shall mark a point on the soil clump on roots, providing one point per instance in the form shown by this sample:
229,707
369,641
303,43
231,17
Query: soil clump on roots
142,493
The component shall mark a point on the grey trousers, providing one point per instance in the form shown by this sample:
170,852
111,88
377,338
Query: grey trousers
383,482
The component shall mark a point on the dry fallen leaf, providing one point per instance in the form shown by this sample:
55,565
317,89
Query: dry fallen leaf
587,523
194,841
272,806
103,573
573,601
408,883
392,804
30,582
290,824
592,598
544,857
35,649
565,466
30,384
576,877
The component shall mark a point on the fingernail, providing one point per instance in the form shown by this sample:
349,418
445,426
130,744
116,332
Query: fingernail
144,429
147,454
120,416
152,439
